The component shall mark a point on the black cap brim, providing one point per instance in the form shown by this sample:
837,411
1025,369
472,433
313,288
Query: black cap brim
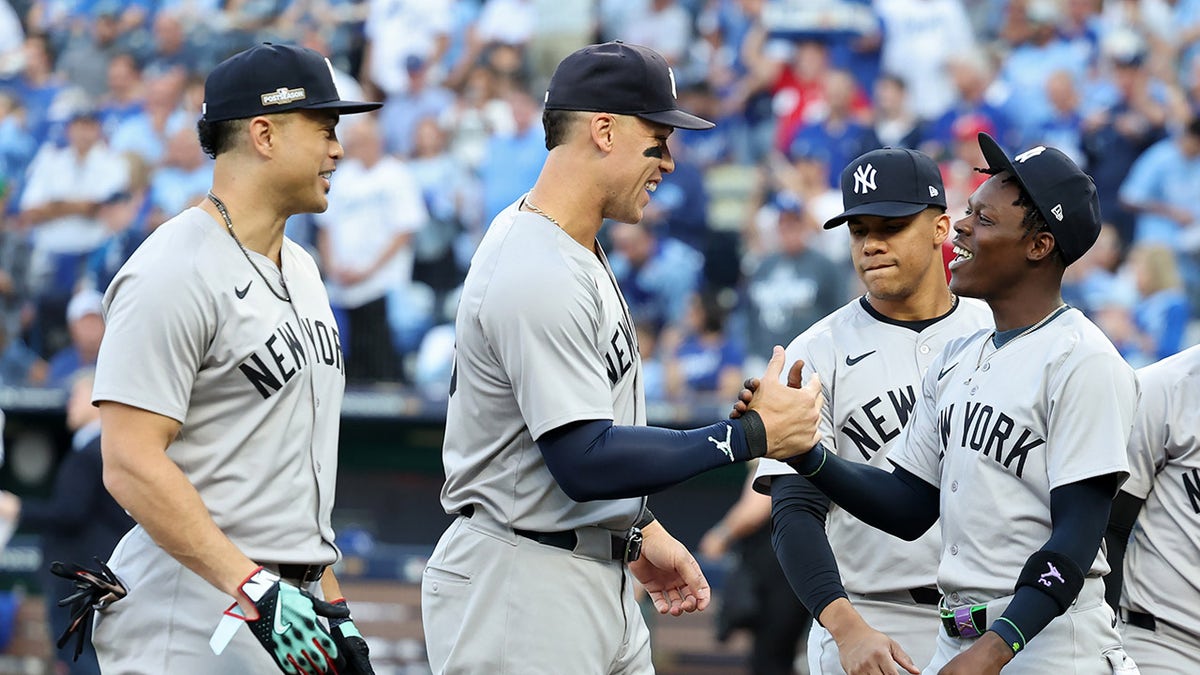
996,159
677,119
881,209
343,107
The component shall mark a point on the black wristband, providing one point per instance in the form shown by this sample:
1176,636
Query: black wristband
646,518
1054,574
756,433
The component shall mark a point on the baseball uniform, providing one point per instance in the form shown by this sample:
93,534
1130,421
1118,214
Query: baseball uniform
1161,622
493,601
194,334
996,429
871,368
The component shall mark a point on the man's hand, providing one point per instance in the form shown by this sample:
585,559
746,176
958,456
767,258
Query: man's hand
741,405
790,412
669,573
354,656
862,649
986,657
286,625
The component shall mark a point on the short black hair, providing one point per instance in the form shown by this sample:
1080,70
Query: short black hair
557,123
218,137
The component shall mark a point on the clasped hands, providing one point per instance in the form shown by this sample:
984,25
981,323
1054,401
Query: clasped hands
790,409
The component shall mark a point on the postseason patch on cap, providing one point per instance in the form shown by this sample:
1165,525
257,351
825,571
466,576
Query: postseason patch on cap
283,95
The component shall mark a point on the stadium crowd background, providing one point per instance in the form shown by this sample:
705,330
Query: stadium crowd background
99,99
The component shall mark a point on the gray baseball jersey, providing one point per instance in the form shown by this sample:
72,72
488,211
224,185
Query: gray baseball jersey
871,370
543,339
1164,469
193,334
997,429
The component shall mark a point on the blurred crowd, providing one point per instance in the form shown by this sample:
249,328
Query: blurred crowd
99,100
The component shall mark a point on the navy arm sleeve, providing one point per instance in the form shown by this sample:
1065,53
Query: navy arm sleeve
597,460
798,511
1125,510
898,502
1078,513
74,498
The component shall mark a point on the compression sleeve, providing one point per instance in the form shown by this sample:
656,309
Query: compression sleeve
1079,512
798,511
596,460
898,503
1125,510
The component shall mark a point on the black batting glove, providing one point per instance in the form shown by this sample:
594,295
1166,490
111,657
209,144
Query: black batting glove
353,653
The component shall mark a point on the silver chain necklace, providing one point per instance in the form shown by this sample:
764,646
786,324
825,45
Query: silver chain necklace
541,213
286,297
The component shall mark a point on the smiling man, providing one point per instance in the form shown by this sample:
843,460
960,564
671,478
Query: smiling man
547,456
220,382
1018,435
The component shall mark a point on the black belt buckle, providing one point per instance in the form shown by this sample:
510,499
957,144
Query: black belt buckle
633,545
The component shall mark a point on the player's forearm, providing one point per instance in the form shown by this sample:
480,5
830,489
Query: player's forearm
898,503
596,460
146,483
798,512
330,587
160,498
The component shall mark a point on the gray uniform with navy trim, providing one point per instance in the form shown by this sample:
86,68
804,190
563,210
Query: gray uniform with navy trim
543,339
193,334
996,430
1162,577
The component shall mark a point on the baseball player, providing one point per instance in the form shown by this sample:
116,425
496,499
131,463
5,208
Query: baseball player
1018,438
1158,599
220,383
882,609
546,454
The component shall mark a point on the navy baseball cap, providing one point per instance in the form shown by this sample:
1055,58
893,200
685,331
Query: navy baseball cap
1060,190
890,183
620,78
270,78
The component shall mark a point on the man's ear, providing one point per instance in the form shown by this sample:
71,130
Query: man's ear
603,131
263,134
941,229
1041,246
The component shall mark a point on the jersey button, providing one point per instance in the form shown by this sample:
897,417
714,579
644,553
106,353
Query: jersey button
318,402
954,597
924,349
318,467
973,390
953,549
987,367
954,486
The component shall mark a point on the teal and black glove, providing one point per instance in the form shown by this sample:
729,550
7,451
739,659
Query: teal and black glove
354,658
287,625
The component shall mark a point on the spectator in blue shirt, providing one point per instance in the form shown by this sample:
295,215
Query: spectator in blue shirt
85,322
706,361
838,135
512,161
1162,186
1161,312
657,274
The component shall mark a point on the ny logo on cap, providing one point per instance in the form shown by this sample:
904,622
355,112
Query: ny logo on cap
283,95
864,179
1032,152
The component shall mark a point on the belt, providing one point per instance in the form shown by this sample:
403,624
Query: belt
925,595
301,574
967,621
1141,620
626,548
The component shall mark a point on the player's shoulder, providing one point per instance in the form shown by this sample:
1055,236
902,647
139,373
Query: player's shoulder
1178,371
173,248
972,312
821,337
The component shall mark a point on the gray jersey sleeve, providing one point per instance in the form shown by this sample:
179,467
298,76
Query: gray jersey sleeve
918,450
1148,443
1091,413
159,320
548,348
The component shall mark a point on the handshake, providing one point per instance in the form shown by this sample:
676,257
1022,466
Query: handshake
790,413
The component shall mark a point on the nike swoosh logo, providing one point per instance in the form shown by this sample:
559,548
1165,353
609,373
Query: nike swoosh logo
852,361
280,629
946,370
241,292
